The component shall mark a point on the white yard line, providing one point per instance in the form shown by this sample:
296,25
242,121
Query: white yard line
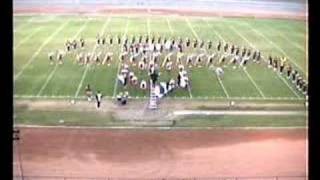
31,20
39,50
190,26
221,38
285,82
298,46
254,83
171,31
243,37
224,89
22,26
87,66
219,80
27,38
47,80
81,81
246,72
55,68
169,25
119,63
275,45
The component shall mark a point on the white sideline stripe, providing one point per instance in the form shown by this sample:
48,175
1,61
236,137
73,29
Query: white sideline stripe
293,91
159,128
55,68
27,38
47,80
279,48
87,65
39,50
238,112
119,63
224,89
254,83
179,98
190,26
169,25
248,75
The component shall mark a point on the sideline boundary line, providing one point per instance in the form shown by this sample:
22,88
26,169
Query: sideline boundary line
158,128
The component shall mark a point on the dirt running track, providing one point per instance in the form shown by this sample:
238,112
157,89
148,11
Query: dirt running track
159,154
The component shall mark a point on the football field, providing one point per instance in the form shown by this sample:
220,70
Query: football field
36,36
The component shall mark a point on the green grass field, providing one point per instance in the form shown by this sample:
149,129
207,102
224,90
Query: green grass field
79,118
36,36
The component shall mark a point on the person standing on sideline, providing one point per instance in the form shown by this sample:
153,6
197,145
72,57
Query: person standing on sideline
88,92
98,98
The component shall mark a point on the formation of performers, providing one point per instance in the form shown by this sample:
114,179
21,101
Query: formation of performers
150,53
281,65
